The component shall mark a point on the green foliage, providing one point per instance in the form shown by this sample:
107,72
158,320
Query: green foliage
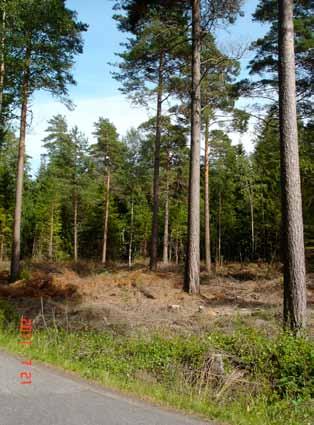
265,61
156,37
170,368
25,274
284,362
8,316
49,33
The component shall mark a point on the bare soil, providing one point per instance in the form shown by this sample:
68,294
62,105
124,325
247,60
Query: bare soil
87,296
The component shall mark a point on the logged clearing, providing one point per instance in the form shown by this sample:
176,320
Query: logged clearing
87,296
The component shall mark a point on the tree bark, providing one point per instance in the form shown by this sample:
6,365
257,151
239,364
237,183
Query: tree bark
192,264
34,246
206,200
16,245
75,230
166,224
177,252
293,239
106,217
154,239
145,248
170,249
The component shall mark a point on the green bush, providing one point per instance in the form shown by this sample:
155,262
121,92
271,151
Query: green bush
8,315
25,274
286,363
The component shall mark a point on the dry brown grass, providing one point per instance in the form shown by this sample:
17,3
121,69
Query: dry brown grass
87,295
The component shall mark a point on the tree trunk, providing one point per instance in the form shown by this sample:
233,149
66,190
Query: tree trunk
145,248
34,246
106,216
75,230
131,234
154,239
293,239
16,245
206,200
170,249
166,225
192,265
50,250
177,251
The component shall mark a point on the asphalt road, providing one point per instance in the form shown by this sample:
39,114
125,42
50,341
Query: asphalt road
54,398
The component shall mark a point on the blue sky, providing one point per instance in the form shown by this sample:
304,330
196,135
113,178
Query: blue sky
96,93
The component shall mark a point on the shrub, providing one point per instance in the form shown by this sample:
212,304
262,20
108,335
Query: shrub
286,363
8,315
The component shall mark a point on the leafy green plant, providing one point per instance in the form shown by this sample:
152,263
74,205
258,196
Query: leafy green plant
284,363
8,315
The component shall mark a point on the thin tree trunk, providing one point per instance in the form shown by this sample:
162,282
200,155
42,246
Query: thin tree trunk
293,239
206,200
192,265
177,251
16,245
75,227
34,247
106,217
50,250
154,239
145,248
131,233
166,225
170,249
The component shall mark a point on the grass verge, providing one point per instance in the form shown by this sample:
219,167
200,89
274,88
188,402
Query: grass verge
243,378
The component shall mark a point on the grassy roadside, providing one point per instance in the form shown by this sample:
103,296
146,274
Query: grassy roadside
242,379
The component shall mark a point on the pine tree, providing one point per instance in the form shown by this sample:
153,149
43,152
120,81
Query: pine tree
107,153
293,241
151,58
47,38
266,60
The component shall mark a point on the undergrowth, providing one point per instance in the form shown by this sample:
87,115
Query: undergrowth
244,378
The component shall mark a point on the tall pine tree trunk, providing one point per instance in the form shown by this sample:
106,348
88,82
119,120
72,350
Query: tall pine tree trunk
154,239
166,224
75,227
106,217
192,265
16,245
293,239
206,200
